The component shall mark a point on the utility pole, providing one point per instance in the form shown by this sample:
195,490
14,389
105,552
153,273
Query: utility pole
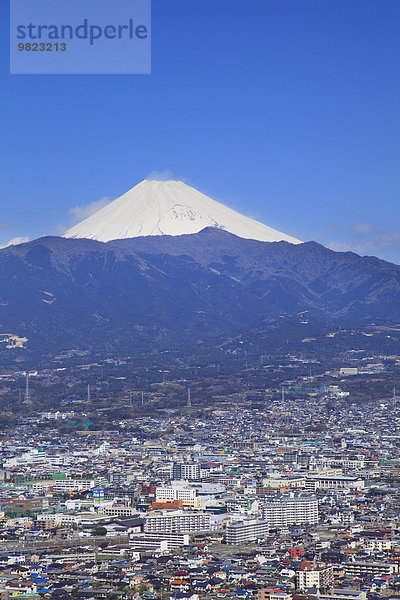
27,392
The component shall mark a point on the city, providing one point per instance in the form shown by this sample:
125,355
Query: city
199,300
268,493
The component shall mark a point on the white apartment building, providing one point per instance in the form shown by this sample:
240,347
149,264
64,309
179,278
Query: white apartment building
172,492
39,487
349,463
72,485
245,531
285,481
186,471
290,509
58,518
117,511
370,569
143,543
172,541
177,522
379,545
318,578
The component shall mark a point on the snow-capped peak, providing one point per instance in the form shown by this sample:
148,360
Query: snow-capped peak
168,208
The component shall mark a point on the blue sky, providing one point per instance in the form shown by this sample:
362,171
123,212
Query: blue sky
286,110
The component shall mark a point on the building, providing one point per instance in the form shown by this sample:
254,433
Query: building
314,578
379,545
186,471
171,541
334,482
290,509
117,511
344,594
140,543
287,481
241,532
273,594
295,552
175,492
173,505
348,371
72,485
369,569
178,522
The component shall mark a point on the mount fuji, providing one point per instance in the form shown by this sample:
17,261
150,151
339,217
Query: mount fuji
169,268
154,208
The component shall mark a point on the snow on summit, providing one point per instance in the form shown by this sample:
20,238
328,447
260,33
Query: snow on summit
168,208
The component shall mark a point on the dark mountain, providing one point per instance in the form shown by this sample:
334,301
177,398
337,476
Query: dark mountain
167,291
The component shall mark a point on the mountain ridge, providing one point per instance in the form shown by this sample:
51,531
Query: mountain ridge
164,292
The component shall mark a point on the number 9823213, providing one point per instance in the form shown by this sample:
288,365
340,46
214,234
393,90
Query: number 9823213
42,47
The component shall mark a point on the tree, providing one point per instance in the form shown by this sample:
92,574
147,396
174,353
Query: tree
99,531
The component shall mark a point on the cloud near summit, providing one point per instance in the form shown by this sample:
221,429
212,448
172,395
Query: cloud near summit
79,213
15,241
76,214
